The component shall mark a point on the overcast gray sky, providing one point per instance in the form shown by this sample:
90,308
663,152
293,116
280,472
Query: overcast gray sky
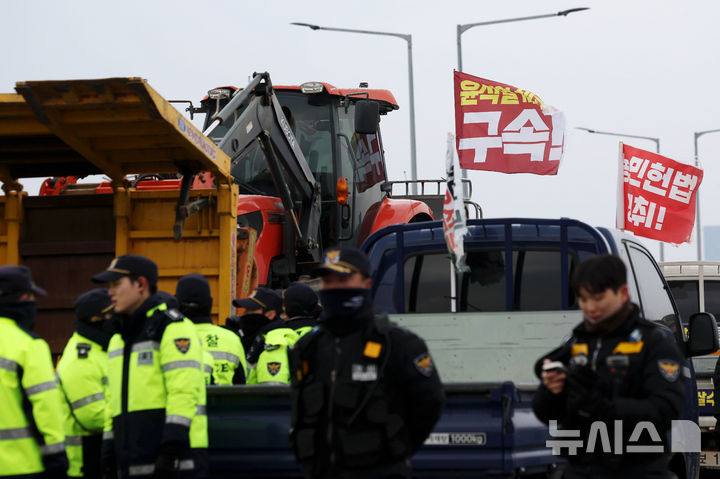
638,67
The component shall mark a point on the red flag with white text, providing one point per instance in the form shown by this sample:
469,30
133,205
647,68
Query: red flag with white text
502,128
656,195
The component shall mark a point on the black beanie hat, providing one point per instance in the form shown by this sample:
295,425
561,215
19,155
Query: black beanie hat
193,294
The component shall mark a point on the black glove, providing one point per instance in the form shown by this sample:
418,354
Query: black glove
167,464
56,473
107,459
109,472
586,396
56,465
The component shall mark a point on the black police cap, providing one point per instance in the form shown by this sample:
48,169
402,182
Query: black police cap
16,281
264,298
299,299
129,265
95,302
344,261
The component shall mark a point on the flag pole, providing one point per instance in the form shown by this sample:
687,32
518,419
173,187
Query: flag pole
620,209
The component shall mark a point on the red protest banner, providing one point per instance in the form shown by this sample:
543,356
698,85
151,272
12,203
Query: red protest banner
502,128
656,195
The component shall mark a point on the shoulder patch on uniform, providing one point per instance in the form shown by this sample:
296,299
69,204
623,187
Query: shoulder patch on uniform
182,344
669,369
424,364
83,349
273,368
174,314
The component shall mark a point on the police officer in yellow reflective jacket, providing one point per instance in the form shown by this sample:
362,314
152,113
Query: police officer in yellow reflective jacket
261,310
31,429
156,389
208,362
82,378
228,356
269,351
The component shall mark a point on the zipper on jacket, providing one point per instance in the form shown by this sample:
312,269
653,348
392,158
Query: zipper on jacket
127,351
333,382
598,345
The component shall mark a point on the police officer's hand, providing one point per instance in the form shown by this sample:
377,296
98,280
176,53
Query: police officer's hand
585,394
553,380
107,459
56,473
109,472
167,464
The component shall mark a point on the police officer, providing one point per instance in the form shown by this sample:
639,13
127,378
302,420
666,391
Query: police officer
365,392
260,308
268,352
31,428
616,371
155,378
301,307
228,355
82,378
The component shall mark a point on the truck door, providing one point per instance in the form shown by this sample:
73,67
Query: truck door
653,298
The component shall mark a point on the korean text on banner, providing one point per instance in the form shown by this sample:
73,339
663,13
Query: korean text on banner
454,221
503,128
656,195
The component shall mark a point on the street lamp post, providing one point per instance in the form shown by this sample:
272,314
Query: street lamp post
697,135
463,28
657,150
408,39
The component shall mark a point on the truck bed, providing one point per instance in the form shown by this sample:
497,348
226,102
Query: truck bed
487,429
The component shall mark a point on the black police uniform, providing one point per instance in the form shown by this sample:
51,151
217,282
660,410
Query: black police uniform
365,397
633,373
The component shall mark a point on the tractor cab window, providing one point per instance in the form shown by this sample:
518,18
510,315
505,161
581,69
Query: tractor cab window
311,120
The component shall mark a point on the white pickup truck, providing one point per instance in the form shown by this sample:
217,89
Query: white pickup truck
695,285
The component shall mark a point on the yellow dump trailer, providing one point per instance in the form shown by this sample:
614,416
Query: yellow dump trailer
117,127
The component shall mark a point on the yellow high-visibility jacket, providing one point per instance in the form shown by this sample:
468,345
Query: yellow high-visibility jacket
31,427
82,377
227,352
156,389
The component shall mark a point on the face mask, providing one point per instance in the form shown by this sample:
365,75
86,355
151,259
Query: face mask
250,323
23,313
343,302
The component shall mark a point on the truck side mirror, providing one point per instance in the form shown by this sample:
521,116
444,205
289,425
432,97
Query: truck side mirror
367,117
703,335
